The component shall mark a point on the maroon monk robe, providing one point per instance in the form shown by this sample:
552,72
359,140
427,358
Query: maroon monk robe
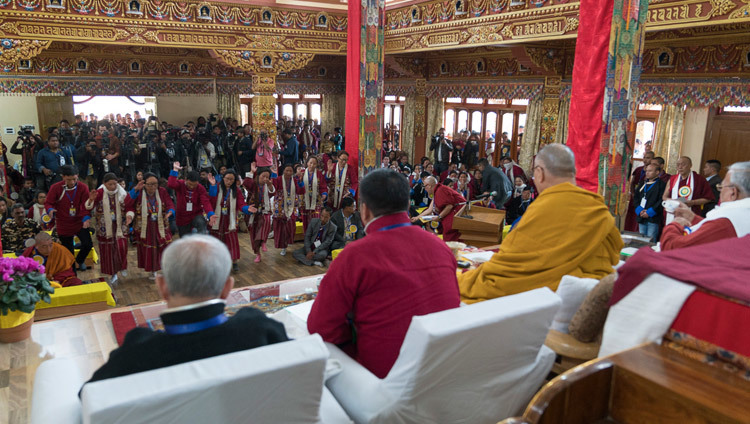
284,226
198,199
701,189
631,219
70,207
223,233
381,282
445,196
674,237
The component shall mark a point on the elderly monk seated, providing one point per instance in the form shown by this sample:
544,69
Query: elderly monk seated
730,219
565,231
195,281
57,260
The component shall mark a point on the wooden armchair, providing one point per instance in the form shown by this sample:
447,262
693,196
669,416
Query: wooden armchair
570,352
646,384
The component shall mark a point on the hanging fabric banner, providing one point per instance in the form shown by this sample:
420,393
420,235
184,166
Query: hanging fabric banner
353,45
587,96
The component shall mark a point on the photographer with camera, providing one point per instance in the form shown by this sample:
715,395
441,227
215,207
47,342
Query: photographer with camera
111,147
89,158
30,146
245,150
442,147
203,152
49,160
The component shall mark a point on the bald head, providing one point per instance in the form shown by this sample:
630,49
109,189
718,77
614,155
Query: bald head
42,237
557,160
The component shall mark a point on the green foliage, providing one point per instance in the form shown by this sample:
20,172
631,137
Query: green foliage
23,293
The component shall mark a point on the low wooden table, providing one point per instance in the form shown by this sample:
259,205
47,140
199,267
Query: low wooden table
87,339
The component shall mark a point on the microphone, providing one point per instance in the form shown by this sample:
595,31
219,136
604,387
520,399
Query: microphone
484,196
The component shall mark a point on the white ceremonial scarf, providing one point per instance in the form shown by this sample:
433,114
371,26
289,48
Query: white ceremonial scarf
311,193
232,206
266,199
287,198
340,180
145,214
38,212
119,194
675,194
737,212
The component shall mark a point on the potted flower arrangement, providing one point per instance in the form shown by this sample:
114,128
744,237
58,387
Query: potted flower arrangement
23,284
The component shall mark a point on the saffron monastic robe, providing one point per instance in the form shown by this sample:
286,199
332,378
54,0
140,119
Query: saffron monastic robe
566,231
58,266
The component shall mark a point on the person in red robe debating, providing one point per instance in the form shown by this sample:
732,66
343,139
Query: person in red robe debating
192,202
229,201
342,179
689,187
731,218
66,204
153,207
377,284
114,212
314,192
259,193
285,204
446,202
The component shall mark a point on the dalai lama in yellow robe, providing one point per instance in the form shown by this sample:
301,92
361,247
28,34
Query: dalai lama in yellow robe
566,231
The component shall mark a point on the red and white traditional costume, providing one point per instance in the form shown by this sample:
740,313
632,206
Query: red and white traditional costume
314,187
284,216
151,227
259,224
111,210
227,205
342,183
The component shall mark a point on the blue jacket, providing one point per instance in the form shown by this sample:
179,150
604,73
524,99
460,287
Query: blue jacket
52,161
291,151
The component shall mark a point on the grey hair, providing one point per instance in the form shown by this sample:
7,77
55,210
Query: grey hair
431,178
558,160
196,266
739,175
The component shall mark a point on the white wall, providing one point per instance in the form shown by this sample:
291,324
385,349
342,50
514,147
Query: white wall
178,110
15,111
694,134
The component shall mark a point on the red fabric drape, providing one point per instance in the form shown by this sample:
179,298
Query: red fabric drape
353,48
587,96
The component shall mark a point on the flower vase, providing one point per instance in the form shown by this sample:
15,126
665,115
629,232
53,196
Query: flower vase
16,326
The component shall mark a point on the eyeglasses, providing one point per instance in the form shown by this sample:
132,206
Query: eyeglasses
721,186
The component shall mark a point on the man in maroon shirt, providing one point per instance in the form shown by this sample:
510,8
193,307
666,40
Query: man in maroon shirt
191,202
66,203
378,283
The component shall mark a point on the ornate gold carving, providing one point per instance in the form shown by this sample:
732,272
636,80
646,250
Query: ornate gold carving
12,50
548,59
550,108
742,12
263,62
721,7
485,34
420,107
264,86
414,66
571,24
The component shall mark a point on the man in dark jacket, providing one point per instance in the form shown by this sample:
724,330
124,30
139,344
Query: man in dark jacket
318,240
494,181
647,198
195,281
349,226
290,154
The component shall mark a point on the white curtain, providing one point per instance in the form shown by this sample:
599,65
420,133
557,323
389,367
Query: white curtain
332,112
530,144
561,133
407,127
668,140
434,122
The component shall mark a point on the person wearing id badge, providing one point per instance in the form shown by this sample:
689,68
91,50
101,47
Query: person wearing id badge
349,226
65,203
314,192
192,202
286,203
260,190
153,207
114,212
647,197
318,240
229,202
688,187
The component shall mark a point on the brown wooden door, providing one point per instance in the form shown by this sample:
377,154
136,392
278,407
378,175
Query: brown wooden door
51,110
728,141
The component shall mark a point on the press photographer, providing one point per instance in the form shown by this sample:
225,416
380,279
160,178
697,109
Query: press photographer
30,145
111,148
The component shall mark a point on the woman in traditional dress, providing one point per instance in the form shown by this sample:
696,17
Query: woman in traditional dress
228,201
110,203
343,180
464,187
314,192
286,202
152,207
260,190
38,213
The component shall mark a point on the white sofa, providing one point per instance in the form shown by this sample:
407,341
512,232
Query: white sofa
475,364
279,383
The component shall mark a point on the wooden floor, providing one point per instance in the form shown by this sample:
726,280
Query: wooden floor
136,288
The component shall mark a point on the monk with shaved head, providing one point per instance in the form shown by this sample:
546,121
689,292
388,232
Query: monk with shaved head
57,260
688,187
565,231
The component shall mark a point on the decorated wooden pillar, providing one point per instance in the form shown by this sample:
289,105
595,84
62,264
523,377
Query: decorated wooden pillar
264,87
264,66
606,75
550,110
420,120
364,83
